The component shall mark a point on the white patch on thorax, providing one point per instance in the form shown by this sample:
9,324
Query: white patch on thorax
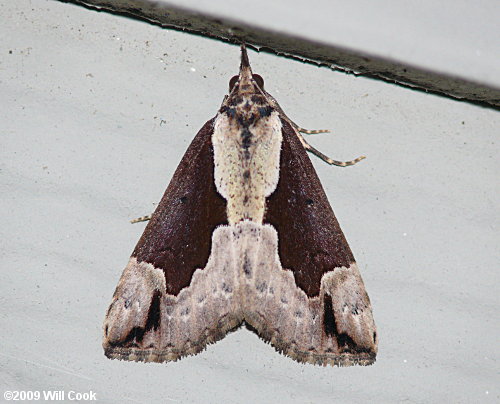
245,176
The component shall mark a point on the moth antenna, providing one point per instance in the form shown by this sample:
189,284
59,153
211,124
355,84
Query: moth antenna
141,219
324,157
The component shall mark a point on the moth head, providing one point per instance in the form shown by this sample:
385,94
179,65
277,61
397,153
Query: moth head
257,79
246,81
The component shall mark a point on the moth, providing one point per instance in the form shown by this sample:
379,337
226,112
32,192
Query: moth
244,234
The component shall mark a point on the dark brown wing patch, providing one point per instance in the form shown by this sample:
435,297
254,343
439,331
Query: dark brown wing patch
178,237
309,236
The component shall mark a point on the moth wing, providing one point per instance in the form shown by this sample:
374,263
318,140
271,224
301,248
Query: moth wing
161,309
318,310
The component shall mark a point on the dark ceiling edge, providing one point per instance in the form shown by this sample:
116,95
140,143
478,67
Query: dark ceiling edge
336,58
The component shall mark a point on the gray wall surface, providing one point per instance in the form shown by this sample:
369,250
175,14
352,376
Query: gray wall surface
458,37
97,111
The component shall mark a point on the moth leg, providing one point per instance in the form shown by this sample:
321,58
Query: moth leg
326,159
311,132
141,219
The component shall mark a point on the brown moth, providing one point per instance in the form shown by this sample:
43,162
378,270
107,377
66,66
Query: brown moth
244,234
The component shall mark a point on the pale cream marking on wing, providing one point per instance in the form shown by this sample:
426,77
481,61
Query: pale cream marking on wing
132,298
302,317
349,296
244,261
243,181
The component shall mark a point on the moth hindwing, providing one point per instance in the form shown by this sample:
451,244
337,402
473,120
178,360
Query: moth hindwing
243,234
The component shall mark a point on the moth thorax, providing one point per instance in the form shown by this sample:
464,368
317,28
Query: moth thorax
246,168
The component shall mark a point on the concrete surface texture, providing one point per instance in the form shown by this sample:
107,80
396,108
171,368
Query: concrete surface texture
96,112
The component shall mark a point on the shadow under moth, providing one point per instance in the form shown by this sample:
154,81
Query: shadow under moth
244,234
